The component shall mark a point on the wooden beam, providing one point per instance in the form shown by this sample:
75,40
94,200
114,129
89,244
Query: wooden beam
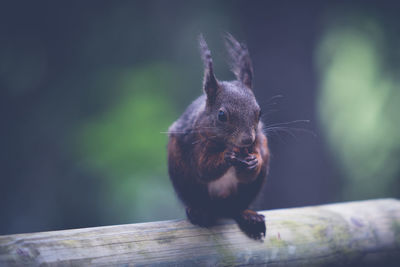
365,232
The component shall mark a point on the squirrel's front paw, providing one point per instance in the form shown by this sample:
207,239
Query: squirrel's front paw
252,224
250,162
231,158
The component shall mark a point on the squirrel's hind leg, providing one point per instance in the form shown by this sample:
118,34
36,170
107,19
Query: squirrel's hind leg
200,217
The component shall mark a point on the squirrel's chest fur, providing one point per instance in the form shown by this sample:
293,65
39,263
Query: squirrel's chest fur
225,185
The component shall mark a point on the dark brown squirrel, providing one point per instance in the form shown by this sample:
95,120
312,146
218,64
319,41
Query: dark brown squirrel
217,152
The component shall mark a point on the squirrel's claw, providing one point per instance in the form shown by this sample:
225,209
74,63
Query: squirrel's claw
251,162
252,224
232,158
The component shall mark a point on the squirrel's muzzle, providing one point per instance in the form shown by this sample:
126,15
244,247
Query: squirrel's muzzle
246,139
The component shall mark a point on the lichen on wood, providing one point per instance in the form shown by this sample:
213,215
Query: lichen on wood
365,232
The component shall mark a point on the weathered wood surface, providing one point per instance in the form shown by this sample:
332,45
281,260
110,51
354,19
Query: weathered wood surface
354,232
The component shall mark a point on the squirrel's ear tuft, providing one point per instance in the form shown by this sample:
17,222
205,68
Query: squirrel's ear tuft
210,83
239,60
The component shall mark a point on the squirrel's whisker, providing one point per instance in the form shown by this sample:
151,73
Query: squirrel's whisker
268,101
287,123
208,137
289,130
183,132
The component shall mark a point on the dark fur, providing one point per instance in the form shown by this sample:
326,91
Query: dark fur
202,148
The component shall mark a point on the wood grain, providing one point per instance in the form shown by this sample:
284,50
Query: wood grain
365,232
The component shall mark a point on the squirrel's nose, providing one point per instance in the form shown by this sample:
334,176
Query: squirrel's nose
246,141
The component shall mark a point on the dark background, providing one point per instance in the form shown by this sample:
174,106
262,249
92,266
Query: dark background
88,87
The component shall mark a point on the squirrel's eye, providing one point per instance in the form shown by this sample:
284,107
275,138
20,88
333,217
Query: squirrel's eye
222,116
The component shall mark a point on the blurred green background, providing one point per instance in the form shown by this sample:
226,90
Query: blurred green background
87,89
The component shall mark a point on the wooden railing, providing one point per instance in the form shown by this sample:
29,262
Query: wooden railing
365,232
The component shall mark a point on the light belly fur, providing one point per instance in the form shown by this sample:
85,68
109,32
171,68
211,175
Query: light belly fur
225,185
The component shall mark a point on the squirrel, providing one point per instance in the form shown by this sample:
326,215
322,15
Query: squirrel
217,152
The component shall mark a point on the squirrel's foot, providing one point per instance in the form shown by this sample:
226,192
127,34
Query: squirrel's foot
252,224
200,217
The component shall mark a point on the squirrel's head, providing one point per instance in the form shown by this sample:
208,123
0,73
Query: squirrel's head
231,106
